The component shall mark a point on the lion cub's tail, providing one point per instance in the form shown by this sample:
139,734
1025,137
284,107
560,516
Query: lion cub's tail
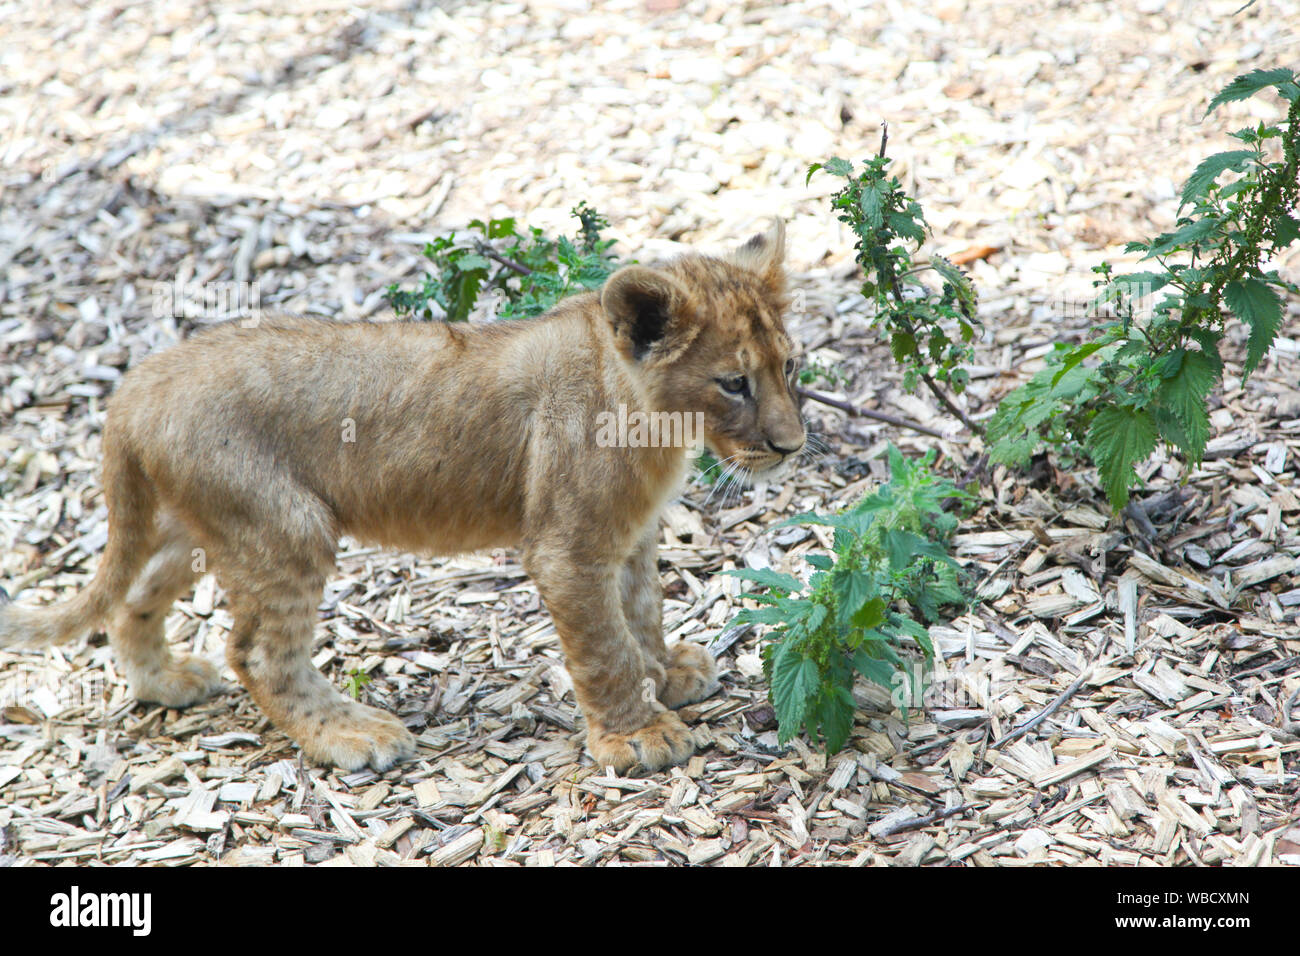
131,505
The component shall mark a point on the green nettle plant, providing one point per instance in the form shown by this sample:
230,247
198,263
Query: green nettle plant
526,272
1147,378
355,681
931,333
857,613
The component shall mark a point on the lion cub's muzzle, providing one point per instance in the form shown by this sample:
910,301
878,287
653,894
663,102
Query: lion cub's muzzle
784,440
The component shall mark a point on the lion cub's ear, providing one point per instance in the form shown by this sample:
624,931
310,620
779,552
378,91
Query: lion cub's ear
765,254
649,312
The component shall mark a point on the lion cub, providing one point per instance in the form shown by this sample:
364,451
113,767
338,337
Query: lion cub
262,445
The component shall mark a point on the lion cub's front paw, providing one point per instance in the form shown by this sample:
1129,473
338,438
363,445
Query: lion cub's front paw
663,742
180,682
692,675
352,735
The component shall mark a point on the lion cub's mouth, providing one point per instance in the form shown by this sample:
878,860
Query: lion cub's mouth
746,469
774,471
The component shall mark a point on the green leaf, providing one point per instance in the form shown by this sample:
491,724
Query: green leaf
871,614
1013,430
1170,428
839,167
1132,349
1184,237
872,205
1121,436
921,634
768,578
770,597
1184,393
903,546
762,615
905,625
907,226
1210,168
877,671
1208,340
899,467
834,715
962,287
794,681
1075,358
1256,304
853,587
1288,230
902,344
881,645
1248,84
819,561
1014,451
1140,283
463,294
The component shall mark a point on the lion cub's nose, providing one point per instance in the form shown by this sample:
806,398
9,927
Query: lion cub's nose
780,450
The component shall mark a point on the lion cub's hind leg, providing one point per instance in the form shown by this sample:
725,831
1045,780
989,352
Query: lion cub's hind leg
136,631
684,673
273,597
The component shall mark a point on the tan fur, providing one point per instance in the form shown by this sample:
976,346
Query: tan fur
252,449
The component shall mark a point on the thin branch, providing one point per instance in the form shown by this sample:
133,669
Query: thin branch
1285,664
925,821
949,404
485,250
1047,711
868,413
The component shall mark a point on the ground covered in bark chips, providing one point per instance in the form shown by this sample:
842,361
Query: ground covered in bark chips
312,154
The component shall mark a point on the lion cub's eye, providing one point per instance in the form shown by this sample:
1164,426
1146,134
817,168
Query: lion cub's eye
735,385
790,365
